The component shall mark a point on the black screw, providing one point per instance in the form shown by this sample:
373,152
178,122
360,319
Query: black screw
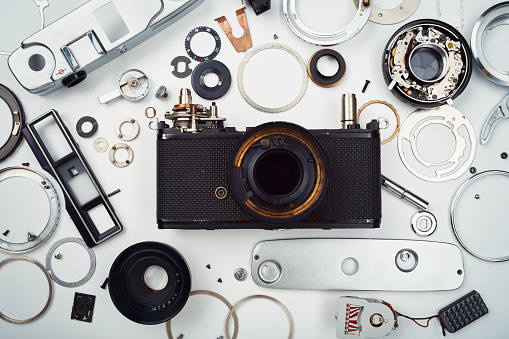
219,280
365,86
105,283
473,170
5,233
503,155
26,164
208,266
278,141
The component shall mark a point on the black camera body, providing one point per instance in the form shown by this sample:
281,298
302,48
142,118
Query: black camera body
274,176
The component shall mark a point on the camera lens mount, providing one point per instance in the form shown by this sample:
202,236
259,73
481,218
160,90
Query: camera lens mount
278,172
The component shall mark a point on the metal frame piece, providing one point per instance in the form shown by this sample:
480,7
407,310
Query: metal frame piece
66,169
244,42
501,111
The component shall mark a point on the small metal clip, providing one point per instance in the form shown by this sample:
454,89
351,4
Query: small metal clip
244,42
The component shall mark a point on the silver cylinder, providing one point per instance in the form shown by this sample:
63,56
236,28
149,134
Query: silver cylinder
213,110
348,109
185,96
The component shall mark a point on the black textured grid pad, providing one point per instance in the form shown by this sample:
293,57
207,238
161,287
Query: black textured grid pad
462,312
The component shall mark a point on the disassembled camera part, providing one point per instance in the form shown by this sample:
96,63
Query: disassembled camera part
220,298
396,130
49,266
276,37
84,120
175,63
83,307
126,120
260,6
395,265
500,112
41,5
454,204
161,92
364,318
221,192
242,43
57,56
491,18
424,223
83,193
58,256
133,85
457,9
153,112
324,80
149,283
208,266
460,160
54,212
394,15
191,118
50,292
240,274
326,39
223,83
366,84
473,170
503,155
130,155
101,145
348,111
427,63
238,304
403,193
462,312
240,77
18,121
190,36
105,283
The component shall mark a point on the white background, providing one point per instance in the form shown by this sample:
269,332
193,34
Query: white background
23,290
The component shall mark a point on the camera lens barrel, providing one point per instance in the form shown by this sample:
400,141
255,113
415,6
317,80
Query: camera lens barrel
278,172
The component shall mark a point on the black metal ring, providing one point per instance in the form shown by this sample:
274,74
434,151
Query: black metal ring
323,80
79,127
175,63
18,121
223,85
190,36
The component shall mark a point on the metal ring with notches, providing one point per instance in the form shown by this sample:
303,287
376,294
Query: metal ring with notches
130,155
49,266
237,305
54,205
494,16
50,294
393,110
326,39
134,134
240,78
394,15
217,296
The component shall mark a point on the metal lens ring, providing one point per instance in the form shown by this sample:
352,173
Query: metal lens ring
18,121
326,39
323,80
217,296
278,173
453,215
134,134
54,204
190,36
394,15
494,16
49,266
50,294
130,155
427,63
458,163
133,296
240,78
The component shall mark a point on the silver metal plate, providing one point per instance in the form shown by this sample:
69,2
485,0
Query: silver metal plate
329,264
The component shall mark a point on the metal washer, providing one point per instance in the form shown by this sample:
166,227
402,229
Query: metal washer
430,223
134,134
98,147
130,155
49,257
81,122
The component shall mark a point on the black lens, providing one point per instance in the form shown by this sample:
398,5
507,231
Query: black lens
427,64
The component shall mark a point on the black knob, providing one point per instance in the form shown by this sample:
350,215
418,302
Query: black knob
74,79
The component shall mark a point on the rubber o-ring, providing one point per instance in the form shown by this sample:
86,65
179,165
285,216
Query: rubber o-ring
323,80
81,122
223,85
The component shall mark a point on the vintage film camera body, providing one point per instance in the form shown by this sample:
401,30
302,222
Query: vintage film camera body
274,176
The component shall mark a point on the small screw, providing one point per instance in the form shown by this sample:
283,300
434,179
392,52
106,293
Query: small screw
221,193
180,336
105,283
161,92
26,164
278,141
113,193
220,337
5,233
477,197
208,266
473,170
276,37
365,86
219,280
265,143
240,274
503,155
58,255
31,237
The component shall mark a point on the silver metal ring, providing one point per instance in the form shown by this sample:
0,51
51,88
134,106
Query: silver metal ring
101,145
453,215
232,311
240,78
494,16
426,218
49,257
134,134
217,296
326,39
54,212
130,155
50,294
394,15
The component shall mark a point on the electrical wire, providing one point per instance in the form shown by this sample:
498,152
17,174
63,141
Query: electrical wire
396,313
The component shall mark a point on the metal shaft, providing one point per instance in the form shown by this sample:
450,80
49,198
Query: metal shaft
404,194
348,110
